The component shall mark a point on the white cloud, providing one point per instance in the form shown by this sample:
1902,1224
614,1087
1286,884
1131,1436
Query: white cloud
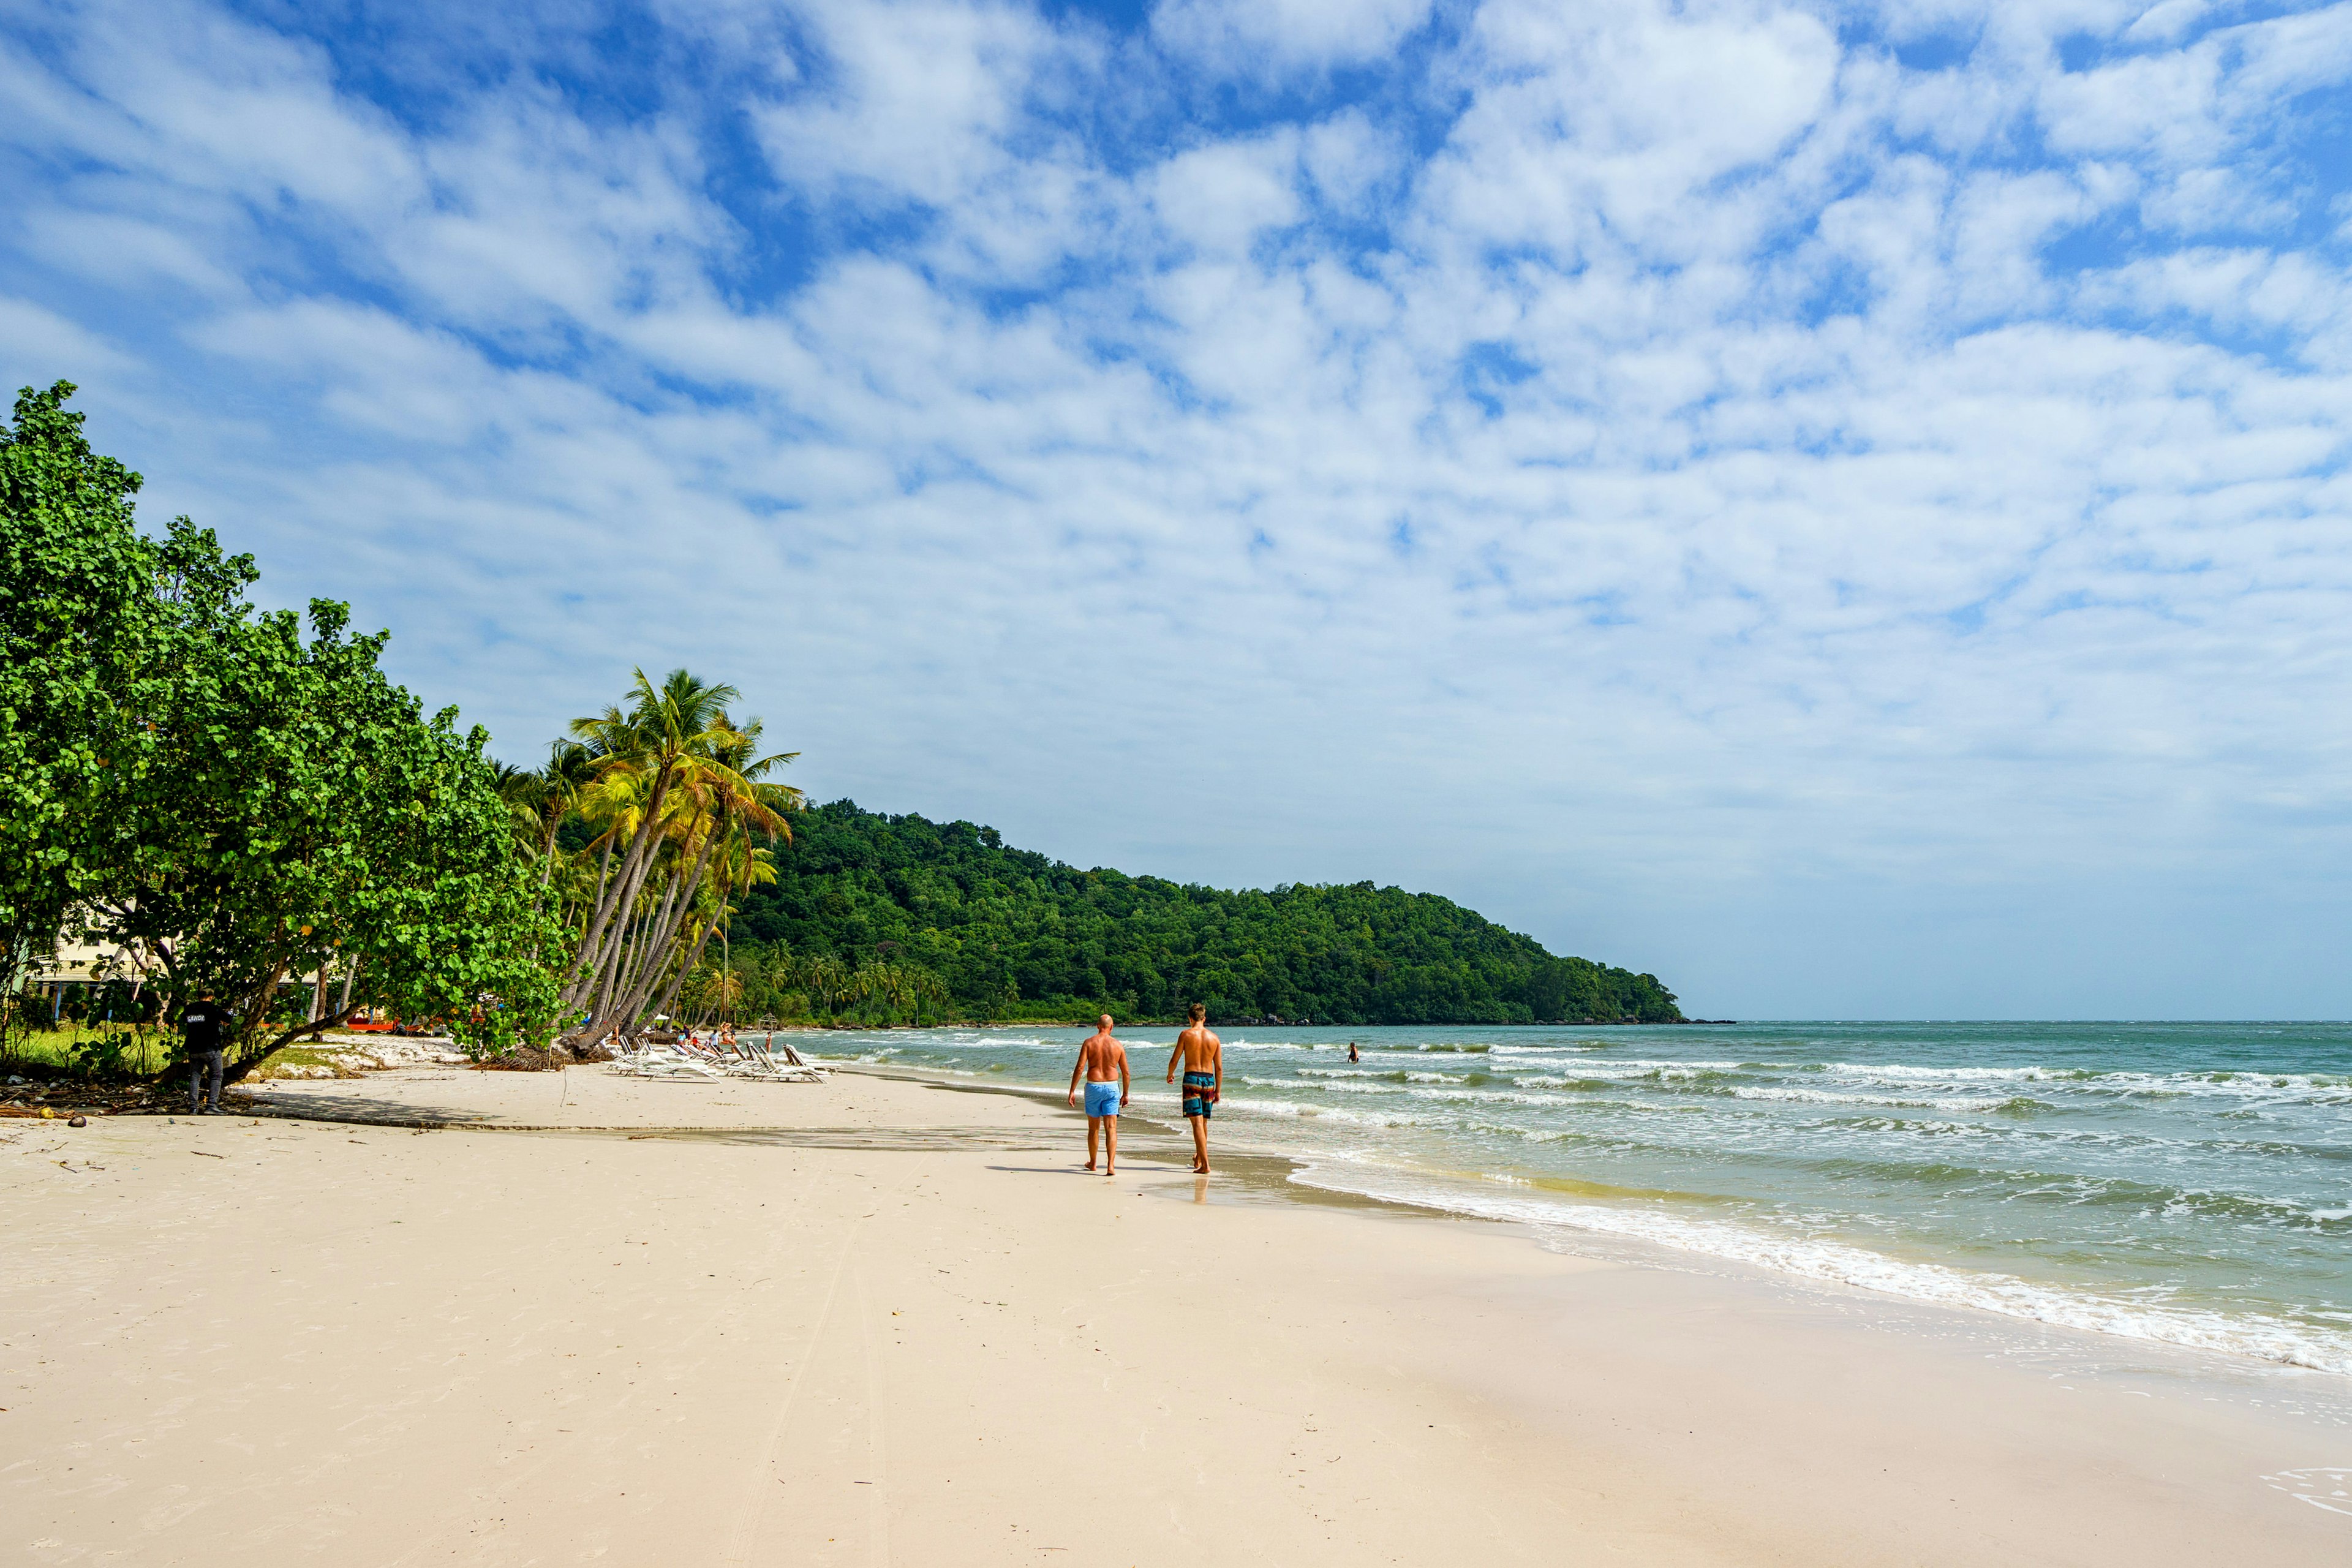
1614,124
1254,37
1643,469
43,347
1219,199
910,100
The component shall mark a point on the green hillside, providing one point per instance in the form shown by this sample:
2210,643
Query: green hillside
944,919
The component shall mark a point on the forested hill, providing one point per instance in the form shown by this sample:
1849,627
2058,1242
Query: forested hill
1013,933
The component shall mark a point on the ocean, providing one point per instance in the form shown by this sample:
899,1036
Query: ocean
2183,1183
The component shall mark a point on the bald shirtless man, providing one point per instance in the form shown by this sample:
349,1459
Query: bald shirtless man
1204,1056
1103,1060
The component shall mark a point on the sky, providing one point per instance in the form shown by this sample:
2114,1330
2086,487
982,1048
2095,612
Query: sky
1844,508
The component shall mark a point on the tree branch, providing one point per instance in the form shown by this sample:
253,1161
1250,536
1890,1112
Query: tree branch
325,1021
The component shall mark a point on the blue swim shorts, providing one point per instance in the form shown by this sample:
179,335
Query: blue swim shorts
1200,1094
1102,1099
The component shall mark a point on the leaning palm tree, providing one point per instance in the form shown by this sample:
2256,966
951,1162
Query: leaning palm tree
725,781
672,783
738,867
652,741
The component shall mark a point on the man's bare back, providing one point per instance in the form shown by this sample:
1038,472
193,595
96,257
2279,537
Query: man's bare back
1102,1060
1201,1051
1202,1056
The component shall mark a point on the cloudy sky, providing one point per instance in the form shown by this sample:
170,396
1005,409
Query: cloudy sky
1845,507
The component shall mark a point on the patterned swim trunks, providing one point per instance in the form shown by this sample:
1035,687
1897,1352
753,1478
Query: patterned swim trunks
1200,1094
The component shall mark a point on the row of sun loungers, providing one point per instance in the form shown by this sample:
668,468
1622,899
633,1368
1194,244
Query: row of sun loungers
765,1062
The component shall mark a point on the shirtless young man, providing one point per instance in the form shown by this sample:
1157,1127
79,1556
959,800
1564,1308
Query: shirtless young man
1204,1056
1103,1060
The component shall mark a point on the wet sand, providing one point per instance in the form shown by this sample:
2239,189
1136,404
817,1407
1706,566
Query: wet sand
873,1320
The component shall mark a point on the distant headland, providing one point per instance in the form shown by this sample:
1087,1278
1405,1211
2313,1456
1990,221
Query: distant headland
984,932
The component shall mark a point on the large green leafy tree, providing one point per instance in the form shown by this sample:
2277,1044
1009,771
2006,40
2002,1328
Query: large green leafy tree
261,804
81,652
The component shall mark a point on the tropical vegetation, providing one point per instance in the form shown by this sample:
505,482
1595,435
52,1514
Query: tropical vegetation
223,800
237,803
898,919
672,816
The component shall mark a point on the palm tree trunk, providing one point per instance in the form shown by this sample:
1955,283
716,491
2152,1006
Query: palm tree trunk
612,978
678,981
722,828
604,875
633,870
624,972
692,883
642,953
631,883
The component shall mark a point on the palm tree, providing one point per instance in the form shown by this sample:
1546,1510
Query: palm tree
520,788
561,782
826,980
646,745
726,780
678,789
738,866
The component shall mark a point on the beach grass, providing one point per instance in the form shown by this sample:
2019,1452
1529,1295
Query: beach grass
96,1050
126,1050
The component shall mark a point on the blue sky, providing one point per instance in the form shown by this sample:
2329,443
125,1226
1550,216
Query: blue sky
1842,507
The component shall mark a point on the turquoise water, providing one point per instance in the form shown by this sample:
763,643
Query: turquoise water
2188,1182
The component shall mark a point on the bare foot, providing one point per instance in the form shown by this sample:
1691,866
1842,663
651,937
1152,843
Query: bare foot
1108,1171
1090,1164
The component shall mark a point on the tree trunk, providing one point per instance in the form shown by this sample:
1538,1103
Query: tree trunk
634,956
603,876
721,827
238,1069
632,868
692,884
678,981
623,895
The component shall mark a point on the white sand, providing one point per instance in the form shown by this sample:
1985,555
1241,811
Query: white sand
915,1334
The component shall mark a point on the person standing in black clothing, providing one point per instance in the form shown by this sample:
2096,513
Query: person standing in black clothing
204,1027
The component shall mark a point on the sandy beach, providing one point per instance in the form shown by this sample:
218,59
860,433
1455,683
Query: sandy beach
437,1315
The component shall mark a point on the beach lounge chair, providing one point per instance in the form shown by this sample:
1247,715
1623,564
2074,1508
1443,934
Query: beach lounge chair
676,1059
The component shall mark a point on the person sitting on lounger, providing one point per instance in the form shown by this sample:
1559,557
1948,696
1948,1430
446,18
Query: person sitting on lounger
1103,1061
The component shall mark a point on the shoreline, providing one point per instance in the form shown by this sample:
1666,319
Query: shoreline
1267,1171
1612,1228
883,1318
1305,1179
